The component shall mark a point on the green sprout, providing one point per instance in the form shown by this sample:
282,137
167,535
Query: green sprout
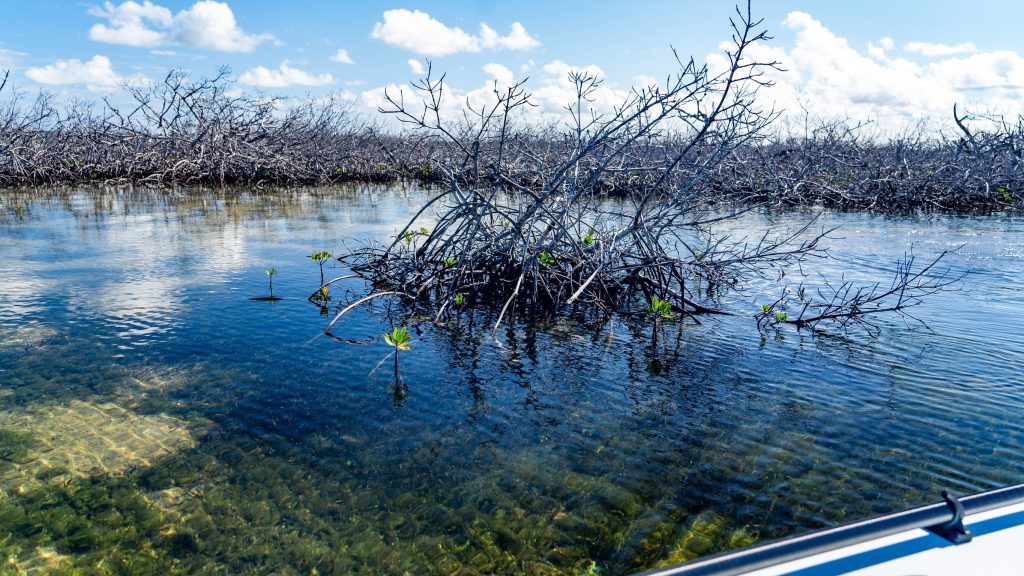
661,308
546,259
459,299
765,308
320,258
781,316
271,272
399,338
411,235
589,237
424,171
450,262
1004,193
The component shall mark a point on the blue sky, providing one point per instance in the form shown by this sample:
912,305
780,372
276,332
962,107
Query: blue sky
882,60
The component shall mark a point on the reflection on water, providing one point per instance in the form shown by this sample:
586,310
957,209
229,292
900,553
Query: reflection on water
155,420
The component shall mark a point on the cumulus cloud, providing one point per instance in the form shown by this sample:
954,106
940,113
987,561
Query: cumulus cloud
644,81
342,56
416,67
831,78
283,76
499,73
557,89
418,32
128,24
96,74
929,49
517,38
206,24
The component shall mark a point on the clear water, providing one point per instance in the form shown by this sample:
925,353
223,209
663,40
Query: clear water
153,419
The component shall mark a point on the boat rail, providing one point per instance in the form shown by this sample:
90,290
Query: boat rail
942,518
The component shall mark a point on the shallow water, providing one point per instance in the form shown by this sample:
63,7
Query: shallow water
153,419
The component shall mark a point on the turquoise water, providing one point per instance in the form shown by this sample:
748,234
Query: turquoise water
155,420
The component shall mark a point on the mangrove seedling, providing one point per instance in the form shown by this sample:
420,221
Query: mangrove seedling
460,299
546,259
450,262
320,258
271,272
781,316
398,339
589,237
661,309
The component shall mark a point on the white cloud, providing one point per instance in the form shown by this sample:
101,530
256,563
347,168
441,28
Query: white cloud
342,56
517,38
128,23
833,79
207,24
526,67
283,77
644,81
886,43
418,32
878,52
499,73
557,90
95,74
416,67
931,50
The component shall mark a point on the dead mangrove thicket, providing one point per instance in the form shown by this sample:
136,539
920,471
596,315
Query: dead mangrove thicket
183,131
208,132
847,165
523,222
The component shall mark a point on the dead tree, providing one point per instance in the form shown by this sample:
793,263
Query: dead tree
524,223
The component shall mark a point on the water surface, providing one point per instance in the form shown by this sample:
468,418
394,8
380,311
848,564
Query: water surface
153,419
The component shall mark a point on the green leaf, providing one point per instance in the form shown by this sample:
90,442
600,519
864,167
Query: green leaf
661,308
320,257
398,338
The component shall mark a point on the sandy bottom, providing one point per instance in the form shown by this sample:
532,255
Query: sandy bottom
82,439
30,336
